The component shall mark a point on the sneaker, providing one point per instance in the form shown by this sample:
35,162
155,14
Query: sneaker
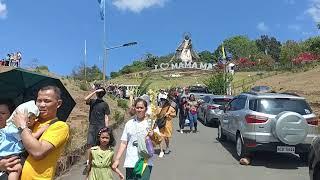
161,154
85,171
181,131
167,151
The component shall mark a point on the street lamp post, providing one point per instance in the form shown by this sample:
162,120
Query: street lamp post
114,47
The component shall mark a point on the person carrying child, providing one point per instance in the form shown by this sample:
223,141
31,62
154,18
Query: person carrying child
10,140
101,157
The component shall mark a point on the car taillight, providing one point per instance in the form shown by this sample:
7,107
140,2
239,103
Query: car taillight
313,121
250,119
212,107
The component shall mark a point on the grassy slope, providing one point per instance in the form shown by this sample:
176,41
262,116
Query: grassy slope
303,83
162,79
306,84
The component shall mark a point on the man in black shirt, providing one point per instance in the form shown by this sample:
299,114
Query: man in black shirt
98,116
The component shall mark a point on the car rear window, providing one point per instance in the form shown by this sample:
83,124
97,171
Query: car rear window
220,101
198,89
277,105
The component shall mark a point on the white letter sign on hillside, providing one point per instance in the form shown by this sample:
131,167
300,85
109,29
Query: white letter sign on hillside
185,65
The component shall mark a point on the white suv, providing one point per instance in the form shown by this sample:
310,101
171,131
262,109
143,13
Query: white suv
282,123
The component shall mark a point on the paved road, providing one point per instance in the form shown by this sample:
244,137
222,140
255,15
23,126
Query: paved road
201,157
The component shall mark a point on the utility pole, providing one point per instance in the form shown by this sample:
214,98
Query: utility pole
85,60
104,44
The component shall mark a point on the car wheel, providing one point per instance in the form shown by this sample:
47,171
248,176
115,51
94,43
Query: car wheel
240,148
304,157
221,135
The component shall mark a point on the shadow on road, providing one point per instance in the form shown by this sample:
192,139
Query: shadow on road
207,125
268,159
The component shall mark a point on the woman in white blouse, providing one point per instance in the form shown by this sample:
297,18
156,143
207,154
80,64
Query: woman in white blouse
140,125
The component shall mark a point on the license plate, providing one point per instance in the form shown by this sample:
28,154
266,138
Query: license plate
286,149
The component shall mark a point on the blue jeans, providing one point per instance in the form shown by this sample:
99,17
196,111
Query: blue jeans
193,120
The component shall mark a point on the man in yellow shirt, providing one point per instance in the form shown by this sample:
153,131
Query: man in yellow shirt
45,152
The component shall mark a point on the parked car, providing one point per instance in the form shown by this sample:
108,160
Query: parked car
314,159
282,123
209,111
199,91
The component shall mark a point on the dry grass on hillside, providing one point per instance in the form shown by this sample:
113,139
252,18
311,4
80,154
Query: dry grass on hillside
306,84
78,119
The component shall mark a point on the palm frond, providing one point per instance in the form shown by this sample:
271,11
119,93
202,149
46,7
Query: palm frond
144,86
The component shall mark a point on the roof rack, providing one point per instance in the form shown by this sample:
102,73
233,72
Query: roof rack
289,93
252,93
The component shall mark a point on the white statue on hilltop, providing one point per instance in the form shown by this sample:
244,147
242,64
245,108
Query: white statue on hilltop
185,53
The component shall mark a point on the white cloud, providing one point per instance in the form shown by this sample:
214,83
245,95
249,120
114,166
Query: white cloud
137,5
291,2
295,27
262,27
314,10
307,33
3,10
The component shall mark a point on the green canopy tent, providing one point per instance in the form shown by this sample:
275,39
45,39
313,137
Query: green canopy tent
21,85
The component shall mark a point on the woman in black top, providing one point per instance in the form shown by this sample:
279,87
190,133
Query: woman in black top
182,113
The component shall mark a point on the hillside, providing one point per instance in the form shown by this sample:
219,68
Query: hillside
78,119
164,79
305,84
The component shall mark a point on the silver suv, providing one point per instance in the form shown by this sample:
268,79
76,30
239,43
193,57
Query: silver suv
282,123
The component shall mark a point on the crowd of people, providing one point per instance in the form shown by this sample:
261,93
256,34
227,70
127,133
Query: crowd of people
139,154
12,59
32,138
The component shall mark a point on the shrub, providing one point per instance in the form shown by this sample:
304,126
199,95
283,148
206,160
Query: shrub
117,116
113,97
244,63
84,86
305,57
218,83
122,103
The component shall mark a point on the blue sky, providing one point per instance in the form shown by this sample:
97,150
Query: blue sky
54,31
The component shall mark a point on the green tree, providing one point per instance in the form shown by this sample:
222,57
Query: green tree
312,45
218,82
114,74
150,61
206,56
93,73
238,47
270,46
289,51
126,70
